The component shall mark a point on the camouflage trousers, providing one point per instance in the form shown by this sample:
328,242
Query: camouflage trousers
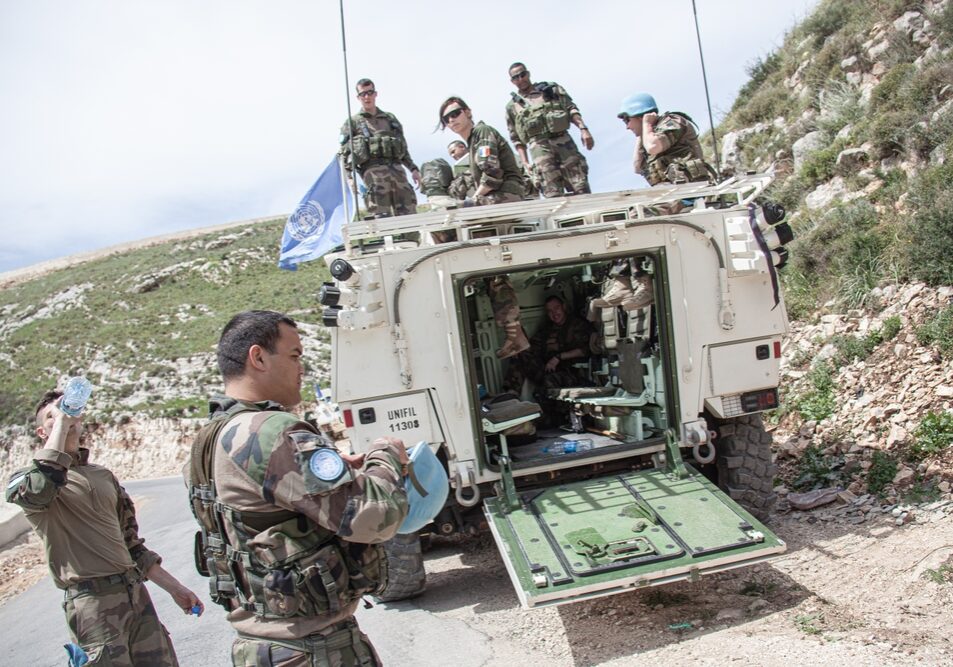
497,197
388,192
503,300
341,645
116,624
561,166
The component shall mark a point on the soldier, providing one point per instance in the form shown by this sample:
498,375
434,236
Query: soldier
495,172
87,523
290,527
498,180
538,117
379,153
462,185
666,147
562,341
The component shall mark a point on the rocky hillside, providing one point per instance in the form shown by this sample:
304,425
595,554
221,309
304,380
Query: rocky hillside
142,325
854,114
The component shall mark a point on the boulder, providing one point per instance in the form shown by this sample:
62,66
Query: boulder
851,160
810,142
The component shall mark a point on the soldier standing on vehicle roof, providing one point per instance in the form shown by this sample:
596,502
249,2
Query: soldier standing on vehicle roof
87,523
666,147
379,153
538,118
498,180
290,527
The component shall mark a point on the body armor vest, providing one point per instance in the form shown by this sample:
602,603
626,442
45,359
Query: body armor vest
275,564
383,145
540,121
682,162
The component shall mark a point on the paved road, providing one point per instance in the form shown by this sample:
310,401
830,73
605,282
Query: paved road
33,629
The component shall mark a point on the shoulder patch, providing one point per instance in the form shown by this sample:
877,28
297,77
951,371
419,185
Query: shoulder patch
326,464
483,152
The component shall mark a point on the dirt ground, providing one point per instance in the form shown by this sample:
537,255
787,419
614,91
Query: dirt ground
844,593
871,593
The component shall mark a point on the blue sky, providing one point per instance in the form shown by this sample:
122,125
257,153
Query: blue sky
124,119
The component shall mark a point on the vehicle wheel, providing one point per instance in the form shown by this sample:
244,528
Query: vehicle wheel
406,577
744,468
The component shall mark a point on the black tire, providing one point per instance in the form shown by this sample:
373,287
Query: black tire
744,464
406,576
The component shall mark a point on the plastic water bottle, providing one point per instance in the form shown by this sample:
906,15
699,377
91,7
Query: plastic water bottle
569,446
77,392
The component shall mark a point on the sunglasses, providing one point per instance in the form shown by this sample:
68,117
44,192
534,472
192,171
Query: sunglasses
626,118
367,93
450,115
519,75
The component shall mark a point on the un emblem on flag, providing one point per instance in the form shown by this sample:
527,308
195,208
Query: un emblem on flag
307,220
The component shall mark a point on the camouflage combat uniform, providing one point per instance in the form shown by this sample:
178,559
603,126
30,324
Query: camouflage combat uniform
493,164
305,543
550,341
379,153
462,185
88,526
540,121
681,161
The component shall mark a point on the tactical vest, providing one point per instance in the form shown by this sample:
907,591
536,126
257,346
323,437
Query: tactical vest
540,121
384,145
282,564
682,162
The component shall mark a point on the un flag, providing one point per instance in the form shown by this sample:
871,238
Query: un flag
315,226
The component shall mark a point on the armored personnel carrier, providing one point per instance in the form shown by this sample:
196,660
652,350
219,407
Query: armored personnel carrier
654,465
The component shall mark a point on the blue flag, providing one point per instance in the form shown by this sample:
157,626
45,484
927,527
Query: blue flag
315,226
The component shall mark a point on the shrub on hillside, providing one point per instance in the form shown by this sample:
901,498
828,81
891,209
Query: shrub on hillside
929,251
939,331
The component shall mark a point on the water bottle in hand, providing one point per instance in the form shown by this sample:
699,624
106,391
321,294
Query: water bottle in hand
77,392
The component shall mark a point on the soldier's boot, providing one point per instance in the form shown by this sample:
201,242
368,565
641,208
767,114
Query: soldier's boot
516,341
619,291
642,295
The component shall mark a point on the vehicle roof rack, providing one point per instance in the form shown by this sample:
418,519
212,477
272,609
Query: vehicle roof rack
548,213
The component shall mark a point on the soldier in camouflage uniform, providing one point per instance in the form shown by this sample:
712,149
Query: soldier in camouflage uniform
667,147
302,521
538,118
374,144
498,180
87,523
560,343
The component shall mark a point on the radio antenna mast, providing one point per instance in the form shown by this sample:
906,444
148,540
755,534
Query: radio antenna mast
350,125
711,120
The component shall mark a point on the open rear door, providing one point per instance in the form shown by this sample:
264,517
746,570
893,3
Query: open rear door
608,535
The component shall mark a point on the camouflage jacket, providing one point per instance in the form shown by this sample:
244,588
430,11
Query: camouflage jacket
492,161
553,339
85,518
679,139
462,185
258,467
520,105
378,139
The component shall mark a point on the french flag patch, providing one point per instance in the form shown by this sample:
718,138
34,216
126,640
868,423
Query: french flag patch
483,151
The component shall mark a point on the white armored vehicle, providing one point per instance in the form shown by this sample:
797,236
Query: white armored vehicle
633,475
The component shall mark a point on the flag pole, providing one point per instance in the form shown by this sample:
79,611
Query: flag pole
350,125
711,121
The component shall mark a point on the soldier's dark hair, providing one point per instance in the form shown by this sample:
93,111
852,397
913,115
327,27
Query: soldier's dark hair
362,82
51,396
457,141
447,102
251,327
558,299
515,65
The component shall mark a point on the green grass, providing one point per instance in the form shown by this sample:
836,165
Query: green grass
140,336
933,436
938,331
817,402
883,468
817,471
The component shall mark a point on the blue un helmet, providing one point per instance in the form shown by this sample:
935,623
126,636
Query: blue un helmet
427,487
638,105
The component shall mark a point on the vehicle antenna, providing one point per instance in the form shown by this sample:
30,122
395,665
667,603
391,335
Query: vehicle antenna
350,125
711,120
